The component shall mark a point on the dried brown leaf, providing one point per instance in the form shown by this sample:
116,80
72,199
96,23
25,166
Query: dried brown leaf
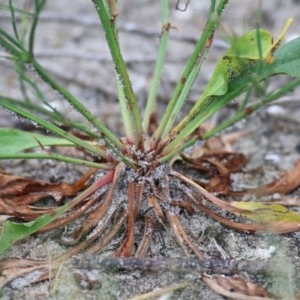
236,288
287,182
126,247
12,268
218,166
16,193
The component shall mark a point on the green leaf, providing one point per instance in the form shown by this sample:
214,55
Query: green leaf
251,48
13,232
14,141
239,70
287,59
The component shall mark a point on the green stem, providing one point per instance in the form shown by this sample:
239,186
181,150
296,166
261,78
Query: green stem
57,157
132,110
4,102
36,108
250,109
199,51
124,111
215,105
24,56
11,45
13,22
151,102
26,80
39,4
112,140
237,117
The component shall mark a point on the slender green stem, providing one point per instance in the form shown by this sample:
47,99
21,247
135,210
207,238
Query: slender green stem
13,18
10,45
250,109
23,55
36,108
112,140
237,117
20,69
39,4
191,76
124,111
132,110
53,115
10,39
4,102
246,99
177,144
164,37
54,156
24,82
203,42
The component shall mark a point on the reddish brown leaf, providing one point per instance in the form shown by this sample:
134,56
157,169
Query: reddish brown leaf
16,193
126,248
218,166
236,288
185,205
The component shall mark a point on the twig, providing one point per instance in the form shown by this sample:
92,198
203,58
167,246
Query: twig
177,265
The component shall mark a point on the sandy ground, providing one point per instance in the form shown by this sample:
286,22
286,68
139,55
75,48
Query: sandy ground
71,45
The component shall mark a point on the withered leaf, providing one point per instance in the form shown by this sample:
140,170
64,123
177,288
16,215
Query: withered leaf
18,193
11,268
236,288
218,166
287,182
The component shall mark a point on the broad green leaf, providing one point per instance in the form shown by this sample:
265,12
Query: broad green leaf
227,83
266,213
14,141
254,46
13,232
287,59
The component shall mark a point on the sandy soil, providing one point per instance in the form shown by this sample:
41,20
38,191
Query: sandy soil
71,46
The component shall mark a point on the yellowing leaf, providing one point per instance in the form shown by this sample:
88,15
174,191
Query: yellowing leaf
266,213
245,51
269,56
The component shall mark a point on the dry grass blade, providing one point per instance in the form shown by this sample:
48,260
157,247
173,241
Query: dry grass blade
147,237
71,216
100,211
182,237
110,235
235,225
126,246
286,201
153,203
90,239
210,197
279,227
